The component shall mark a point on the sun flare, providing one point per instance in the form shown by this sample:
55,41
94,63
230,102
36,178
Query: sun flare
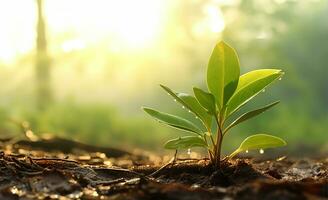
115,25
132,24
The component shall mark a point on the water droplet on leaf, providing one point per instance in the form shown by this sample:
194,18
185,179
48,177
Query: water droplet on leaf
246,151
175,100
261,151
263,90
183,107
196,117
189,152
189,111
280,79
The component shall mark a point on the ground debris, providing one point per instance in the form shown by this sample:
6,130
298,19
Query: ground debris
35,174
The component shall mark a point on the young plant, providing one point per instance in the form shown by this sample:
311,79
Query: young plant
228,92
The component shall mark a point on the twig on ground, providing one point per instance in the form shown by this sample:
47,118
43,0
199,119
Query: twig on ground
171,162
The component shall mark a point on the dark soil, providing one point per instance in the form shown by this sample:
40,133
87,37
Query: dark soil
30,171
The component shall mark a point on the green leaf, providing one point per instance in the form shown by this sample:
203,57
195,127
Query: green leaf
250,115
174,121
223,73
250,84
192,104
205,99
185,142
259,141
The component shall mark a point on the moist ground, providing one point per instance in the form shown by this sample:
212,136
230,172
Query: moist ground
30,171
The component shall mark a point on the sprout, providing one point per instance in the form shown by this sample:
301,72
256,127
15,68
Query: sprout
227,93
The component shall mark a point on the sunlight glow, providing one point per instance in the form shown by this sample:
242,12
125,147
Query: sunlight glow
17,30
140,23
215,19
132,24
72,45
212,23
124,24
117,25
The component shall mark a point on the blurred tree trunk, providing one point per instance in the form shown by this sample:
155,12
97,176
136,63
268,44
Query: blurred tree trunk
42,62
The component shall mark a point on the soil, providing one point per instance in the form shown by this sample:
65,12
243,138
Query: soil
63,169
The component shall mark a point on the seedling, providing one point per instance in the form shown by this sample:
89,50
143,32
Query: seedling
228,92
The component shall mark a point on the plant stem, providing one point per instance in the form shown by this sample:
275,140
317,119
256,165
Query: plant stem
209,151
217,148
211,156
212,141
